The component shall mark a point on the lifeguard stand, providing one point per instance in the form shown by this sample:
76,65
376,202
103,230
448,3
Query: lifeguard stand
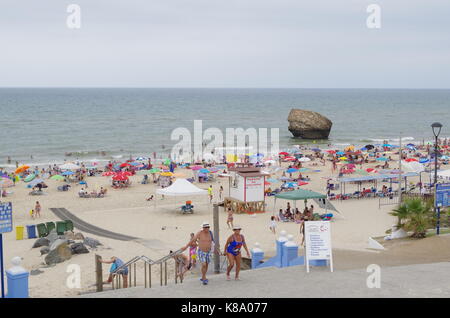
246,189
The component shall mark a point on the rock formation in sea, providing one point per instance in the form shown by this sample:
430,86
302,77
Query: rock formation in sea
308,124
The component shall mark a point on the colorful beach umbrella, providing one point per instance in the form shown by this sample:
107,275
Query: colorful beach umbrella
6,183
125,164
57,177
21,169
291,170
108,174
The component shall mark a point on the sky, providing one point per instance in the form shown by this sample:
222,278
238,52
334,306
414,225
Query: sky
225,43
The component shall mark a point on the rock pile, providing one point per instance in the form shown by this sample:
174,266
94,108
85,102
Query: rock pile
59,248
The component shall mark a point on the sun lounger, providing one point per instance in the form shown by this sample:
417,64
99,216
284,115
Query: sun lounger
187,208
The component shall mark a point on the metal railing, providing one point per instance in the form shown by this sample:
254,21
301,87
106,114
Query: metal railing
148,263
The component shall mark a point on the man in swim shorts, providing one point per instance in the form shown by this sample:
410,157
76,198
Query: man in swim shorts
206,247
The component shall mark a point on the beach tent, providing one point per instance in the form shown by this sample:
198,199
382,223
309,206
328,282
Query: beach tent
300,194
181,187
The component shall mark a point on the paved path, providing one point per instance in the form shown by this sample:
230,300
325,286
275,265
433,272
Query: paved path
423,280
78,223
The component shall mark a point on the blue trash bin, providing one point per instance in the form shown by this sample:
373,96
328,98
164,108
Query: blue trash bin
31,231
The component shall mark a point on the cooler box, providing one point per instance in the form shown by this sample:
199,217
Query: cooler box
19,232
31,231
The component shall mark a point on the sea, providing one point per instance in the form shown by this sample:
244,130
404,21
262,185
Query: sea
41,126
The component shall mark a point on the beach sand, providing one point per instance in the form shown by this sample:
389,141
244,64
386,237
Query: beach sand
127,212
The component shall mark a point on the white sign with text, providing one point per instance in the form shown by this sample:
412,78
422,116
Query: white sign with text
318,242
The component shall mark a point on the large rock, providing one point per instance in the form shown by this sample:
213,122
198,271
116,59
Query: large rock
79,248
92,243
59,252
308,124
41,242
45,250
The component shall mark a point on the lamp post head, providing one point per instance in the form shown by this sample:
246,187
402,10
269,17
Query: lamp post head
436,129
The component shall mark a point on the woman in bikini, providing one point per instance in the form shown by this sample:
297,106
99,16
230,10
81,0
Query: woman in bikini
233,251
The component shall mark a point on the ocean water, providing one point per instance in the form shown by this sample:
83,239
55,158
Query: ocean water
48,123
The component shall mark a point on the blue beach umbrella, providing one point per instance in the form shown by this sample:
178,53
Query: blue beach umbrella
340,153
387,145
67,173
272,180
303,170
291,170
382,159
204,171
424,160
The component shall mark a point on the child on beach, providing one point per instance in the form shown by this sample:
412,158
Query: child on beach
272,225
193,252
37,209
32,213
230,218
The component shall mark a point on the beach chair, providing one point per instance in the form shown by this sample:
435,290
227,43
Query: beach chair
50,226
187,208
61,227
69,225
42,230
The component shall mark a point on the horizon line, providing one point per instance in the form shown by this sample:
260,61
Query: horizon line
223,87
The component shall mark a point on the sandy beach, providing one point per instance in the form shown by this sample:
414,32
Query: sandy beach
162,227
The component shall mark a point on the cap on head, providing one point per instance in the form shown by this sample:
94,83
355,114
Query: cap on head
236,227
205,224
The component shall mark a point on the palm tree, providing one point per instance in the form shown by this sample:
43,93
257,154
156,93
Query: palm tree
414,215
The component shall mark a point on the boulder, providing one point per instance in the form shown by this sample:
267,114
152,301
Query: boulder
92,243
69,235
79,237
45,250
59,252
52,236
43,241
308,124
79,248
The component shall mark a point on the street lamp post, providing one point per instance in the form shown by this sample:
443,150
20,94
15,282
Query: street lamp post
436,131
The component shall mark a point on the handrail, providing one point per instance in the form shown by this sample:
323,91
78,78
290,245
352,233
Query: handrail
147,260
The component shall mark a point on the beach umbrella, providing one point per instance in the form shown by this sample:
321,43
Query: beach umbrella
382,159
272,180
67,173
141,159
283,153
343,158
69,166
57,177
267,183
411,160
388,146
369,147
155,170
204,171
120,177
167,174
330,151
302,183
21,169
108,174
291,170
125,173
370,169
290,158
134,164
351,166
125,164
444,158
144,172
220,167
34,183
291,184
340,153
316,149
424,160
6,183
304,159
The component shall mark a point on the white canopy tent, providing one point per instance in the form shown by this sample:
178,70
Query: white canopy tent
181,187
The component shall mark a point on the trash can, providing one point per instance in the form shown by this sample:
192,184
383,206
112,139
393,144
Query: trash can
42,230
19,232
31,231
69,225
50,226
60,227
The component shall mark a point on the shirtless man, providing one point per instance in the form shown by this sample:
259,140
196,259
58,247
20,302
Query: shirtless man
205,241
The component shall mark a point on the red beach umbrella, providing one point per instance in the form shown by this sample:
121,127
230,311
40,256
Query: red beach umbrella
123,165
290,159
302,183
120,178
411,160
283,153
108,174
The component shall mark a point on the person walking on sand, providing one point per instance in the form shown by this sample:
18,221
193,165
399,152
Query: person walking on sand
210,193
37,209
220,193
206,247
230,218
116,263
273,224
233,251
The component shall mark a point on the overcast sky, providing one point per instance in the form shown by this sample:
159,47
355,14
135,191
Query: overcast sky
226,43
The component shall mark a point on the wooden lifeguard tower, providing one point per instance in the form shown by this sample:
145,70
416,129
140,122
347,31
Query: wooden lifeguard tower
246,189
